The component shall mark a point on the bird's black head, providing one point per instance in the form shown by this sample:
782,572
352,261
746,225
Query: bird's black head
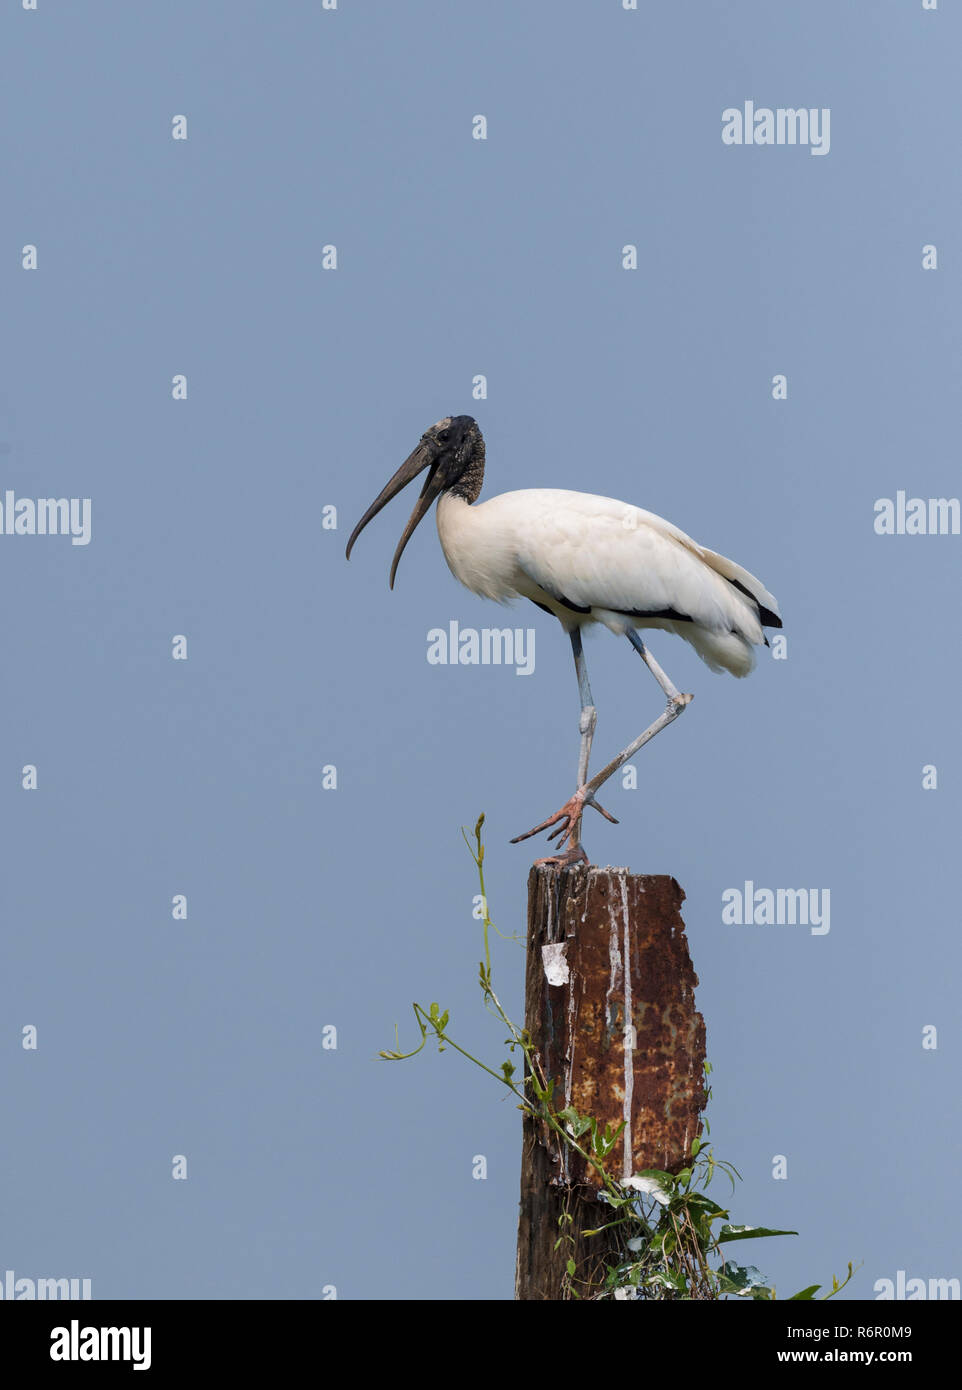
453,452
457,438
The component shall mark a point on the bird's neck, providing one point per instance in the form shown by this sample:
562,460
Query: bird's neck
468,487
473,549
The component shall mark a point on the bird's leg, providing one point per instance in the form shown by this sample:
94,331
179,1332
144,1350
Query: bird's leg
574,854
676,703
570,814
586,727
572,811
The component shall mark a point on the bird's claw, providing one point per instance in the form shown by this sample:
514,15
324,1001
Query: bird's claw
569,817
590,801
575,855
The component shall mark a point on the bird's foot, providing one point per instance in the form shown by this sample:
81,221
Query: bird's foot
572,856
567,821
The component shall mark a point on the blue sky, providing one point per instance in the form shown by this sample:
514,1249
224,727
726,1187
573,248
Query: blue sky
310,906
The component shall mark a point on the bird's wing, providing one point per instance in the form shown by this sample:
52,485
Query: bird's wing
597,552
766,602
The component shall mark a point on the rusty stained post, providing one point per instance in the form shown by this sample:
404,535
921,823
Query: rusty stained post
619,1032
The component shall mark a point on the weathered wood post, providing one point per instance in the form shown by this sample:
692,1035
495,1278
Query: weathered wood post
609,1004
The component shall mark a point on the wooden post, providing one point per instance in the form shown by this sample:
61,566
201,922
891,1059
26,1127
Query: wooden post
609,1004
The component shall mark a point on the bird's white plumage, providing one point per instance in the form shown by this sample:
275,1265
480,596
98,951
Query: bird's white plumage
608,557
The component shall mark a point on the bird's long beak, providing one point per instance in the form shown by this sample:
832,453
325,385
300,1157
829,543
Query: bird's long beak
424,456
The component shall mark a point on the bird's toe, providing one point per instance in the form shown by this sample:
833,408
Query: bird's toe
575,855
566,821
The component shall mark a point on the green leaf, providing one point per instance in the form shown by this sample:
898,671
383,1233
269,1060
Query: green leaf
749,1233
698,1199
602,1144
745,1282
665,1279
836,1286
577,1124
570,1266
664,1179
695,1146
810,1292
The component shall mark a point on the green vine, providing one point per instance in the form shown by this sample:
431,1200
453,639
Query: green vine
666,1238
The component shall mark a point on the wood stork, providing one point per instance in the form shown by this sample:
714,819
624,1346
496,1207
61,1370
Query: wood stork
586,559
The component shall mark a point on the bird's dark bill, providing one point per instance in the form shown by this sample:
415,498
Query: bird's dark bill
424,456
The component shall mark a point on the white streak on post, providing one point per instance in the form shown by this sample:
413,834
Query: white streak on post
614,954
620,958
572,1036
627,1161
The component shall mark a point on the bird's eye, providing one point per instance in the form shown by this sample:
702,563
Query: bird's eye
444,436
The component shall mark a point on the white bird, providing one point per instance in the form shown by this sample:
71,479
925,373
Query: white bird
586,559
